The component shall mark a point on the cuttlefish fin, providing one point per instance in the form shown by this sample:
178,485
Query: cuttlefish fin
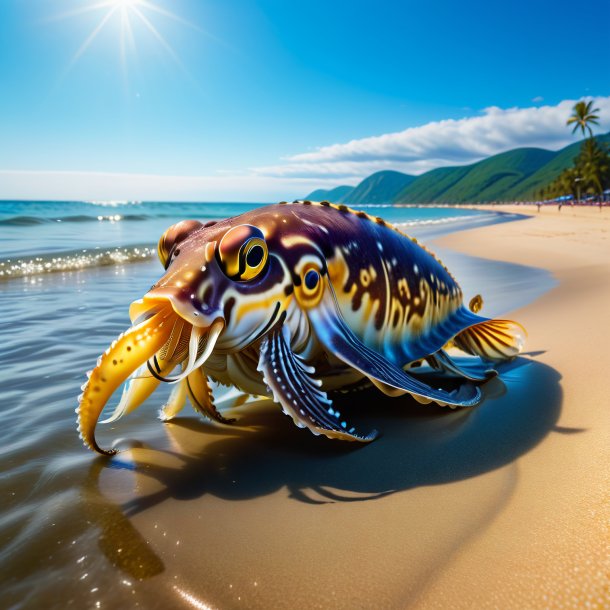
201,397
293,386
338,339
472,371
494,340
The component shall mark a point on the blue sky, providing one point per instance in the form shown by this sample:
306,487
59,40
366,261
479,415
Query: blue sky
268,99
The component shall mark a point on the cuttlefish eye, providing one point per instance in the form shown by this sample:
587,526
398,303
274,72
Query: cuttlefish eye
242,252
311,288
312,277
167,246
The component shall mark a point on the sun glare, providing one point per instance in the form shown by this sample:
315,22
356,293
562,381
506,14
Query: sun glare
126,12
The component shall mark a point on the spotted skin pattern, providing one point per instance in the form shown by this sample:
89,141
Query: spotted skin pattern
296,300
391,290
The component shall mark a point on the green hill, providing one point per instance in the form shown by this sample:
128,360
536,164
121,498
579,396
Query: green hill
432,185
563,159
509,176
486,180
381,187
336,195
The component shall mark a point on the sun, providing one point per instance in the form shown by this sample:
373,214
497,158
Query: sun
125,11
125,4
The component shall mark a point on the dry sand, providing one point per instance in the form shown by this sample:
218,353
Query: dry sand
502,507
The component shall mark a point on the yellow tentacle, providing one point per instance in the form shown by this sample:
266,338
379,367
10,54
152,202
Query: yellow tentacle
140,387
175,403
201,398
121,359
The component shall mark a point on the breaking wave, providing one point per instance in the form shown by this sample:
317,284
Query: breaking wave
73,261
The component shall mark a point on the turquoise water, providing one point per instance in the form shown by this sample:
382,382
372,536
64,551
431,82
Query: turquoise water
60,542
33,228
41,237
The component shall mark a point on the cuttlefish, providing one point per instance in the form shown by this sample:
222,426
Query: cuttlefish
296,302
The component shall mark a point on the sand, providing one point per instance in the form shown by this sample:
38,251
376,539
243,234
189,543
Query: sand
505,506
549,546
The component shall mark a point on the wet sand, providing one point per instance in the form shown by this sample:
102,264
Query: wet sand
501,506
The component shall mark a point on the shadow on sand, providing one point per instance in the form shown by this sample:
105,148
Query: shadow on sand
419,445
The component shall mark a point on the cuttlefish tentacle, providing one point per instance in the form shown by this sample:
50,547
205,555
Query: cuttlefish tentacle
201,397
175,403
143,383
197,388
196,355
130,351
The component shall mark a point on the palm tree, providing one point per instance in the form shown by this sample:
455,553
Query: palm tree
590,173
594,164
583,116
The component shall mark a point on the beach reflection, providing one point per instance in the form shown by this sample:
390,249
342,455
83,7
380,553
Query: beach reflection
124,547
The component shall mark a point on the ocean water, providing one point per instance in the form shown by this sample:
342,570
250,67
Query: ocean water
45,237
70,521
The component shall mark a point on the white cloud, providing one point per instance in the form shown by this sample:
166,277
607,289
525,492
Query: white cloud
537,99
441,143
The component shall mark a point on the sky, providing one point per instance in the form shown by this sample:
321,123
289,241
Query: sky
263,100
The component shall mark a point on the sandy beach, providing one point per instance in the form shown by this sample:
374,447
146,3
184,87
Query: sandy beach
548,547
503,506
